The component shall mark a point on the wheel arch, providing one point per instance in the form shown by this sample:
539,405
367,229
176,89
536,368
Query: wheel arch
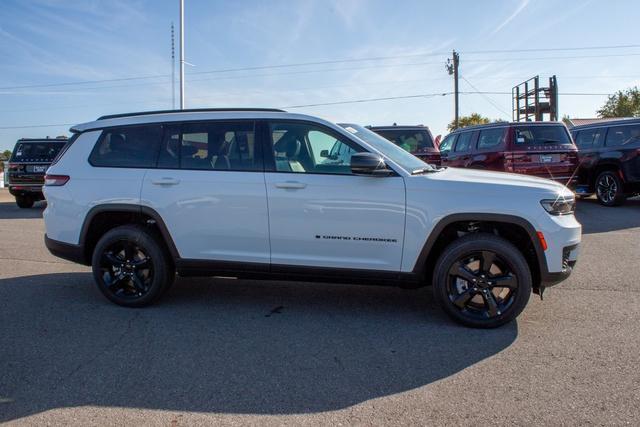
513,228
607,165
104,217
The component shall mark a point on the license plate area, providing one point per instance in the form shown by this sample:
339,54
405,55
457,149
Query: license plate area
549,158
37,168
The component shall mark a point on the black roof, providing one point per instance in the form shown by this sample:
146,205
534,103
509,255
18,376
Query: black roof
190,110
505,124
56,139
607,124
397,127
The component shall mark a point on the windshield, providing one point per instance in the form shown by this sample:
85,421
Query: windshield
36,151
411,140
541,135
404,159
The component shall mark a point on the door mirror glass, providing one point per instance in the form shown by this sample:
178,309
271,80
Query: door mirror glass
324,153
369,164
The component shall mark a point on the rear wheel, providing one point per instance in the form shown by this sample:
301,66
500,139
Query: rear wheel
131,267
24,202
482,281
609,189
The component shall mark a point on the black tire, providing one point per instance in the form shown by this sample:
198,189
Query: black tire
24,202
131,267
490,297
610,189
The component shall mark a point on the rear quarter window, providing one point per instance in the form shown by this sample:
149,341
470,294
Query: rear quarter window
127,147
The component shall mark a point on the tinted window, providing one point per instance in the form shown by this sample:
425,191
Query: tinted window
302,147
413,141
464,142
36,151
406,160
621,135
588,138
447,143
541,135
133,147
490,138
216,146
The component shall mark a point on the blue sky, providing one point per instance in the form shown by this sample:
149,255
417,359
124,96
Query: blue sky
47,42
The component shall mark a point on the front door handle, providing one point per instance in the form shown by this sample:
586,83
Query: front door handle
165,181
291,185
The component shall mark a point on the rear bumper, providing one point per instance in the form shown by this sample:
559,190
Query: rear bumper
20,190
68,251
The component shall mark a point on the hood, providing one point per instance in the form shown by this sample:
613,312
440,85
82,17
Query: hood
499,181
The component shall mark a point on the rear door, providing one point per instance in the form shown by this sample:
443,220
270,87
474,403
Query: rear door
209,190
320,214
545,151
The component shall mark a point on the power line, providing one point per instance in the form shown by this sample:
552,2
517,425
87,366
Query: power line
356,101
491,101
345,60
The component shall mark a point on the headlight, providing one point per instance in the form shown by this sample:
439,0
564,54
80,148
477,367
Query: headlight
559,206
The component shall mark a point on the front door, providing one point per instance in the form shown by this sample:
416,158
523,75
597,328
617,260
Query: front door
320,214
209,189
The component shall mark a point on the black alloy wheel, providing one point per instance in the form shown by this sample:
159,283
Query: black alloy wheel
131,267
609,189
482,280
127,270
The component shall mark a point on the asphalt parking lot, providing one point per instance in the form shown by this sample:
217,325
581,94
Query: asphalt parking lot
245,352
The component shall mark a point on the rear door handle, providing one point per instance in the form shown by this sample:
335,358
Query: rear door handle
165,181
292,185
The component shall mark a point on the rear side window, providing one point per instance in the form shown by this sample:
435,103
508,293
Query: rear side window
589,138
490,138
36,151
413,141
464,142
621,135
541,135
127,147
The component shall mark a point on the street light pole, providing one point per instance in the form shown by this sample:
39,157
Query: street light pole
182,54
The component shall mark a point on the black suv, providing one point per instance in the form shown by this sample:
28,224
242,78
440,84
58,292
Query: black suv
609,160
415,139
29,161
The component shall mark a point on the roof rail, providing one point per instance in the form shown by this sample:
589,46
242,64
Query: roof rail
191,110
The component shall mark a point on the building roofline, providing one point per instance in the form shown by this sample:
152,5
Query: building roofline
624,121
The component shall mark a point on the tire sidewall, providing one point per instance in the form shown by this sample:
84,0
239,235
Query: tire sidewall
161,271
473,243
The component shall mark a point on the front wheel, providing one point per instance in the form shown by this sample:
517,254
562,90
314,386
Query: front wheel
609,189
482,281
130,266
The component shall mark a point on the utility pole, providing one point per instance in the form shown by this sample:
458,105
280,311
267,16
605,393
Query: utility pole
182,54
173,69
452,69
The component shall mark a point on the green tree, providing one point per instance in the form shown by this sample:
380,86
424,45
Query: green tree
464,121
5,155
624,103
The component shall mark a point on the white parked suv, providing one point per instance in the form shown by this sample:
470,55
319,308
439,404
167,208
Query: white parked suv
260,193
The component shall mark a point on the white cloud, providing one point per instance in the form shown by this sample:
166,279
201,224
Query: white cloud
510,18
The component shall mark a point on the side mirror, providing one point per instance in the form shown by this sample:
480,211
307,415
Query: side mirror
369,164
324,153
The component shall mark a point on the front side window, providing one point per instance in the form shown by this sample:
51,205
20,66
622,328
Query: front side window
490,138
308,148
621,135
447,143
464,142
131,147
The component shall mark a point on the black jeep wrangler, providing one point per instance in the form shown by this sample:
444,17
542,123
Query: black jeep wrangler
29,161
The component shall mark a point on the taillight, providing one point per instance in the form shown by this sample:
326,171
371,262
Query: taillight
55,180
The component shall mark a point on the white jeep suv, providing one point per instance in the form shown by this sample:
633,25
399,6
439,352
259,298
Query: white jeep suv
261,193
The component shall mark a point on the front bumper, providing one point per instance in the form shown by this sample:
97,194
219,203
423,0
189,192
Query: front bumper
569,259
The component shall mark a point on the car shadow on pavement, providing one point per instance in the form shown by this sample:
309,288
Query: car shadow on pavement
225,346
596,218
9,210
